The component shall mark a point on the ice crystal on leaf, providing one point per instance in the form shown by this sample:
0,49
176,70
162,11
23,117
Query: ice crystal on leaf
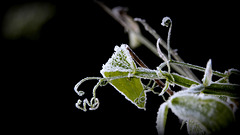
211,113
120,61
207,79
122,65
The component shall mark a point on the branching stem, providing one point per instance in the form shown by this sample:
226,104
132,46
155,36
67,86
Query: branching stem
140,63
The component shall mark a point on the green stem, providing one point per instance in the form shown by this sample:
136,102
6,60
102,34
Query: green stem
227,89
197,68
173,78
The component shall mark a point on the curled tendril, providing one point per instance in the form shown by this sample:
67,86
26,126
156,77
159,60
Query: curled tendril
166,21
82,81
81,93
94,102
139,100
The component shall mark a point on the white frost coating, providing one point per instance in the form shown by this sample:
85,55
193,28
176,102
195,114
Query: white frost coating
121,60
195,128
161,118
147,73
160,52
198,96
207,79
193,114
178,112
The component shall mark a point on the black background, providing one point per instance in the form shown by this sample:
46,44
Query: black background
81,37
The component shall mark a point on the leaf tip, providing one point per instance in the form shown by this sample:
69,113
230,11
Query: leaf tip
207,79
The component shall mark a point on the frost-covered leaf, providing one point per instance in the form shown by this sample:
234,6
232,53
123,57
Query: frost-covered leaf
121,60
122,65
207,79
194,128
162,118
211,113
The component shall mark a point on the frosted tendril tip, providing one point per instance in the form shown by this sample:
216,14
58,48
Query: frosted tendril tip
167,22
94,102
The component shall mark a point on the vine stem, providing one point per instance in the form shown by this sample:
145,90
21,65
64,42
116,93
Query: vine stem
197,68
82,81
142,64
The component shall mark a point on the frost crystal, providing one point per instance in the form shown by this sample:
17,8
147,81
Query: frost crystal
120,61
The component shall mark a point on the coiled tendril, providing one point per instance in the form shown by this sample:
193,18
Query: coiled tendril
94,102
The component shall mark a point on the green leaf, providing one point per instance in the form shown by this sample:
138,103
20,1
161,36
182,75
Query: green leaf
162,118
121,66
211,113
131,88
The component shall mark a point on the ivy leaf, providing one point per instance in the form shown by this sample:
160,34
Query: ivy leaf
162,118
211,113
121,66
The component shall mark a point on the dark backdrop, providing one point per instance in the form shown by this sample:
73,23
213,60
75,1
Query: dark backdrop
81,37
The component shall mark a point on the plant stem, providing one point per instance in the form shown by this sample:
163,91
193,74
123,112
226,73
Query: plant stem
140,63
197,68
121,17
182,70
